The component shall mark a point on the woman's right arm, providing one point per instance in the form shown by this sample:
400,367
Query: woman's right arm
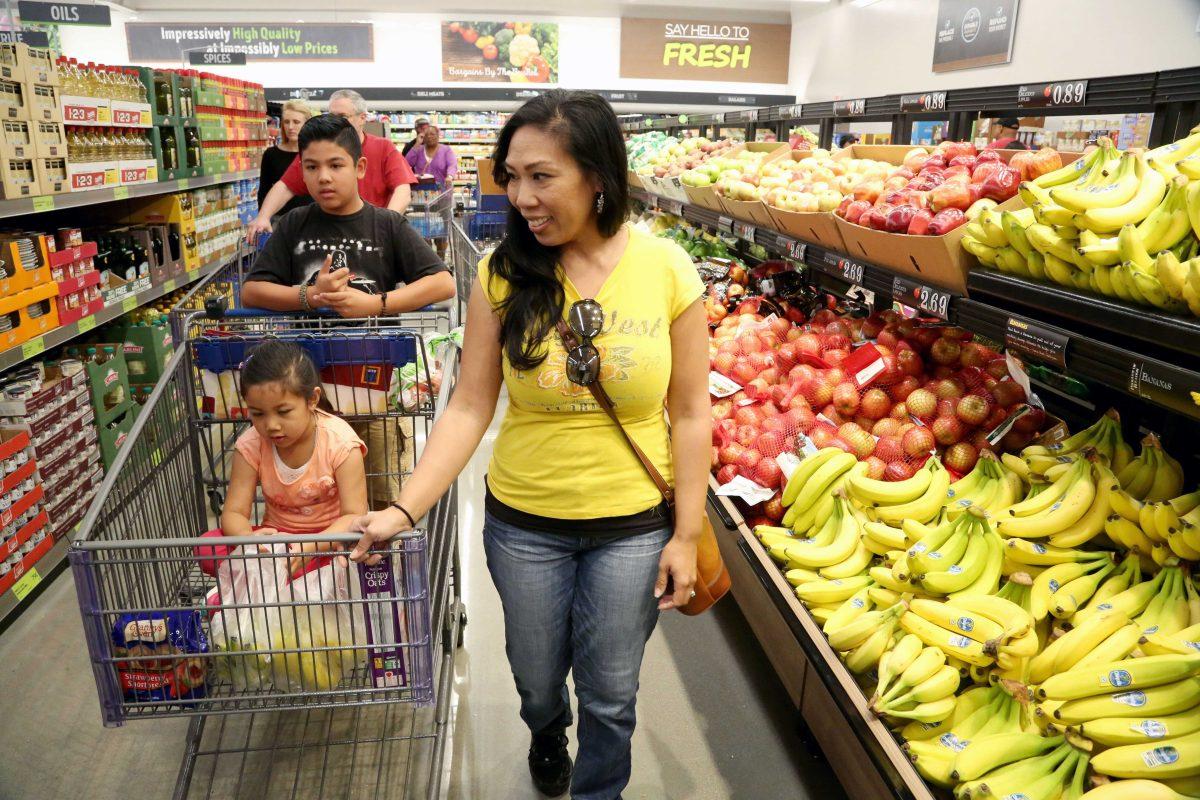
239,497
457,433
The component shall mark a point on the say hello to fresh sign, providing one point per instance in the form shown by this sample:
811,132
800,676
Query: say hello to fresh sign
672,49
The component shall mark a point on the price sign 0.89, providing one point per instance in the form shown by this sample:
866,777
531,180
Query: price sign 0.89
850,108
1051,95
929,101
922,298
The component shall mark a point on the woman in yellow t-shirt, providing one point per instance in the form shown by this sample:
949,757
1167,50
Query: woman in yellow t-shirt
579,542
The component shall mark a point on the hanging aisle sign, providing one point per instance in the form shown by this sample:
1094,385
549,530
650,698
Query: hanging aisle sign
973,33
212,58
169,41
31,38
65,13
700,50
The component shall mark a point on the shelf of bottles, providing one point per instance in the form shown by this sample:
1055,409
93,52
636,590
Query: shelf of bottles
231,119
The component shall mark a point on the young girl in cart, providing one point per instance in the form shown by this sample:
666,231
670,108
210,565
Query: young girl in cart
309,462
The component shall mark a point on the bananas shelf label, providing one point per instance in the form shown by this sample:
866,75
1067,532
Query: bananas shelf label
1166,385
1037,341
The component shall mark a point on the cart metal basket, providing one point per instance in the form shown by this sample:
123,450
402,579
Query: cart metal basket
327,679
431,212
472,236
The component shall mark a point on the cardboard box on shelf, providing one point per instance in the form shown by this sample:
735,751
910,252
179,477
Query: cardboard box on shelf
138,171
12,68
52,175
73,298
148,348
15,96
30,312
17,139
752,210
108,382
69,255
40,66
23,274
43,103
85,110
49,139
54,390
88,175
18,178
115,432
24,534
26,564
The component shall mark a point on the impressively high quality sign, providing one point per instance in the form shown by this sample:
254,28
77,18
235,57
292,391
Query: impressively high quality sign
168,41
694,50
973,33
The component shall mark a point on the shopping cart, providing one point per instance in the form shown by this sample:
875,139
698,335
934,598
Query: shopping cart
431,211
331,683
472,236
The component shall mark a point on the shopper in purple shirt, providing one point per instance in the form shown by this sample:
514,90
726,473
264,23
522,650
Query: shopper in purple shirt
433,158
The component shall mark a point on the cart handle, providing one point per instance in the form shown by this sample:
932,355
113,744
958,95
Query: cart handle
263,312
237,541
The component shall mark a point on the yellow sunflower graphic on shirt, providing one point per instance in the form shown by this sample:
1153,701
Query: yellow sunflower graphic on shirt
615,365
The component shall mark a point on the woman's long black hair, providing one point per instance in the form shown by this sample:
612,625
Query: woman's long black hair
588,129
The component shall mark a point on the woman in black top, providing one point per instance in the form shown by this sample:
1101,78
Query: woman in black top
277,159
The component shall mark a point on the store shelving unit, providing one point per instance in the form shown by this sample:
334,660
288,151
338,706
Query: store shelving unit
1144,363
1173,97
55,559
58,202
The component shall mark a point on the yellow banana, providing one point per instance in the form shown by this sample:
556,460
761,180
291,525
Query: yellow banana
1168,758
984,754
835,591
1150,191
1119,188
1128,674
925,507
1170,698
952,644
1134,789
1061,654
872,492
1117,731
805,471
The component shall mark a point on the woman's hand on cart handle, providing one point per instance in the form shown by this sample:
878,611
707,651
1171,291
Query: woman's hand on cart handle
377,527
676,566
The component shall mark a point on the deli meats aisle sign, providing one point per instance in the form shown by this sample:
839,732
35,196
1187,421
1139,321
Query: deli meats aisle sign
696,50
973,33
268,41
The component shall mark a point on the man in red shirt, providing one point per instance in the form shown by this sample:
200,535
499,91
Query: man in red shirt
386,183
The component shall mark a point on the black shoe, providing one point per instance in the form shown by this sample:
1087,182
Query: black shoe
549,764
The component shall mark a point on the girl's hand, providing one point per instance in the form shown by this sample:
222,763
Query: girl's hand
297,563
262,548
678,564
377,527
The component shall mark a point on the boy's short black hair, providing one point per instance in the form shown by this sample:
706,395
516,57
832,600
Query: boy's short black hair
331,128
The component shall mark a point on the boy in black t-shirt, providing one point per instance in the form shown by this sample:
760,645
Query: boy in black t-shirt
341,252
350,256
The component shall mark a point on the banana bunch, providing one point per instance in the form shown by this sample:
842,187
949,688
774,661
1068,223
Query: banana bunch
982,711
1185,642
918,498
1062,589
1126,574
1176,757
1153,476
808,495
1135,789
1106,636
1103,437
989,486
1058,771
974,629
922,691
863,638
1175,522
1071,511
959,557
836,550
1124,529
1168,611
1120,224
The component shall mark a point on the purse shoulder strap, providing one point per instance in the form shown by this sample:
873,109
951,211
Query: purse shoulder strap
605,402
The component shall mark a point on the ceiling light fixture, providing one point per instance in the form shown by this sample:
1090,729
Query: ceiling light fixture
863,3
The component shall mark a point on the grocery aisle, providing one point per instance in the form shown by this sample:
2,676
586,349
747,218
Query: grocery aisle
714,721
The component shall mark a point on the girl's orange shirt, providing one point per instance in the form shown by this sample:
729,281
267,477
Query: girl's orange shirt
311,503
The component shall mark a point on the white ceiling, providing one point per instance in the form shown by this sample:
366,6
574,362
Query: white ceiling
751,11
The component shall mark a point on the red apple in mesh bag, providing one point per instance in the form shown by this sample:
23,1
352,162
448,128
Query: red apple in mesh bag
748,461
875,468
767,473
845,399
861,442
910,363
997,415
875,404
960,457
975,354
918,441
822,435
922,404
945,351
997,368
900,391
886,427
726,473
773,508
770,444
973,410
1031,421
946,408
1008,393
900,411
948,389
899,471
889,449
947,430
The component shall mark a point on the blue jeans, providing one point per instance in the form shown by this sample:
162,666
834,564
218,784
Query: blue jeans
574,603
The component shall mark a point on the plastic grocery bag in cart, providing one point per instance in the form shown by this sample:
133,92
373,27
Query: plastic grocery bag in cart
308,615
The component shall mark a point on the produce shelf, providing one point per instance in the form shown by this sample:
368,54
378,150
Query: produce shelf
1080,331
65,333
864,754
57,202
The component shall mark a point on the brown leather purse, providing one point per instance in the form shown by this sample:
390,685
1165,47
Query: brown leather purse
712,578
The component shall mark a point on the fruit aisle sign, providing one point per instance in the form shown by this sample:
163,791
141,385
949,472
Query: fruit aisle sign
516,52
698,50
973,33
168,41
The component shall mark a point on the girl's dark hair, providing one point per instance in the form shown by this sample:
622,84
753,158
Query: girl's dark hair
587,127
286,363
